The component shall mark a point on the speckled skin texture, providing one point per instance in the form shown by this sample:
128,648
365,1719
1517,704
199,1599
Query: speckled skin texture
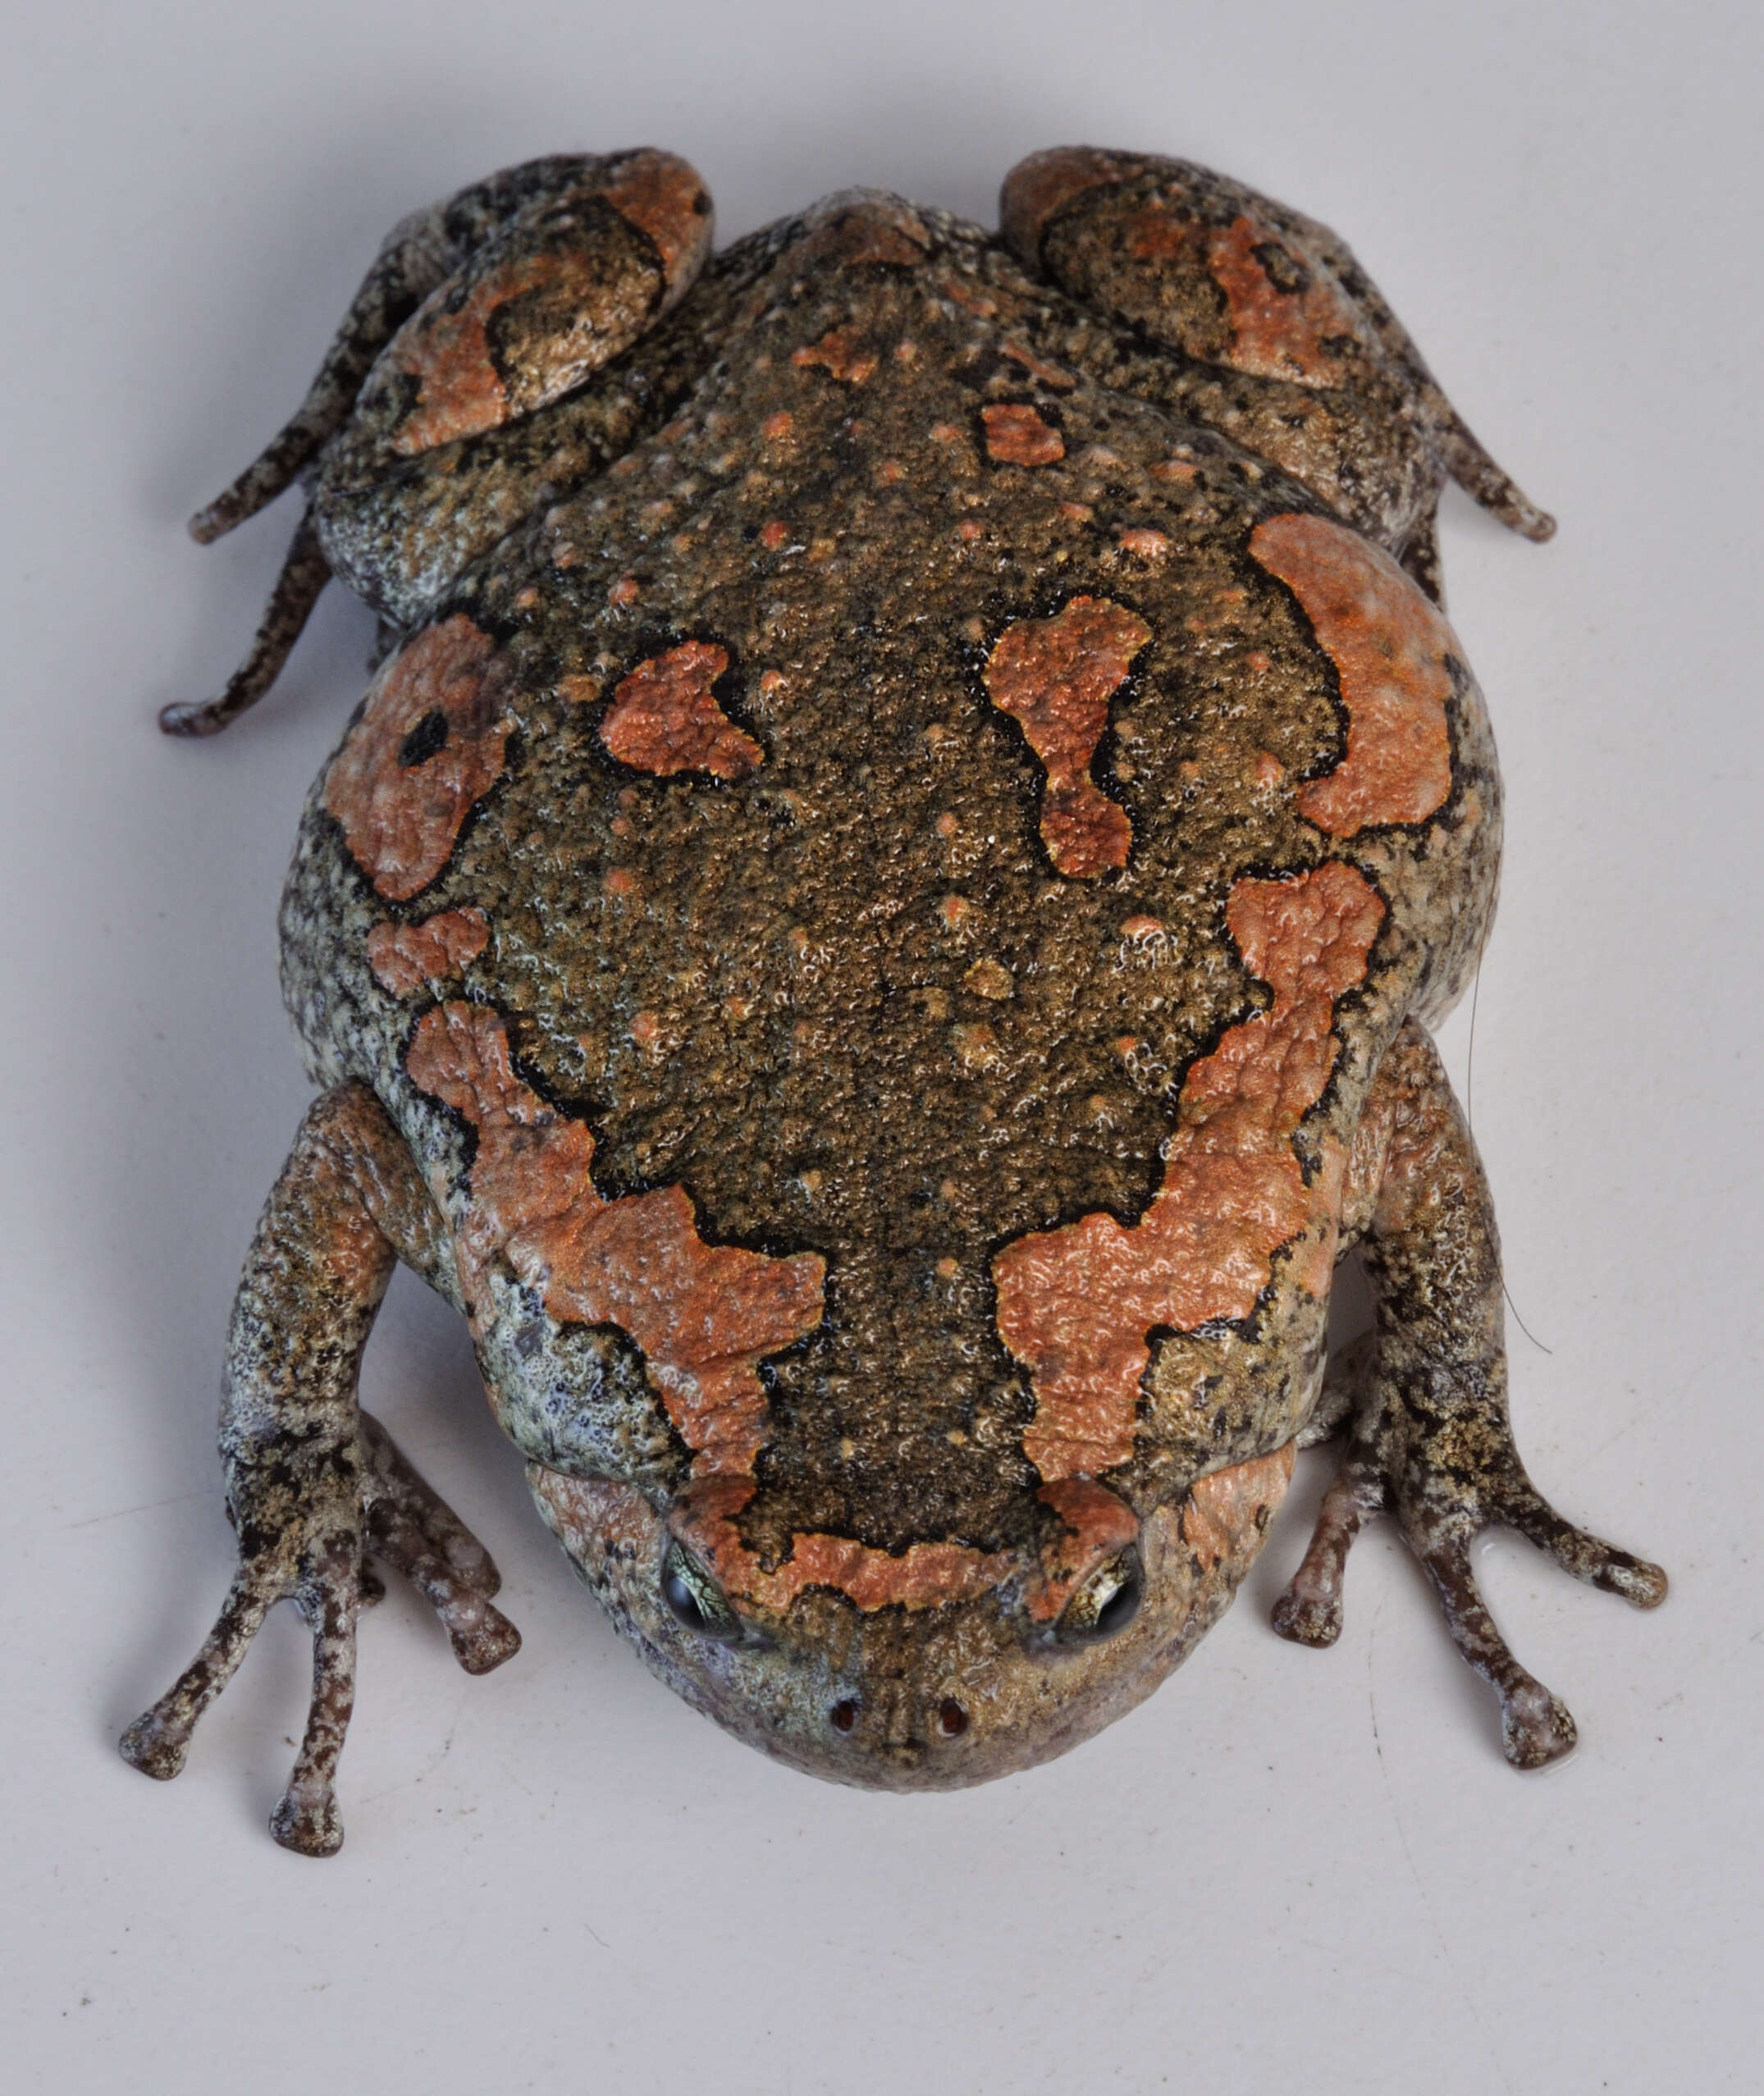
874,933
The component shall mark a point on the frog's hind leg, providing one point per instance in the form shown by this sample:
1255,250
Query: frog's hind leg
304,573
416,258
477,311
1430,1440
314,1486
1271,333
1467,460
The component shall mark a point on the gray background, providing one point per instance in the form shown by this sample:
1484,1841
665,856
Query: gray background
1287,1869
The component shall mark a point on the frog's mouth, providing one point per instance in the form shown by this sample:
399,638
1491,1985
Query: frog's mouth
931,1699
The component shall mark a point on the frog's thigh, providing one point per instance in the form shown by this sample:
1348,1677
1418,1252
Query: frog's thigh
1338,393
314,1488
477,312
1430,1440
450,445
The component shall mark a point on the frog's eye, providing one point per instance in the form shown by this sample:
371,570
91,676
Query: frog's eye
695,1598
1108,1601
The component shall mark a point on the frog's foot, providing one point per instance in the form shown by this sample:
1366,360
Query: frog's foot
316,1558
298,588
1440,1517
1431,1442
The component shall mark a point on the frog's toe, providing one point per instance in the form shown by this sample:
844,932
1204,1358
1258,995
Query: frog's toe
304,573
1308,1617
1577,1550
1536,1727
158,1740
413,1530
1309,1611
307,1819
482,1636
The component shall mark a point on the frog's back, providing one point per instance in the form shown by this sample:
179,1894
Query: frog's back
947,816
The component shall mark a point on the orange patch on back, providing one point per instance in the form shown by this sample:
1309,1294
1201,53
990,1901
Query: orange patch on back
1039,367
408,957
844,351
1054,676
1077,1305
1277,331
1017,436
430,743
924,1576
664,719
1389,645
446,349
870,230
703,1315
1094,1526
593,312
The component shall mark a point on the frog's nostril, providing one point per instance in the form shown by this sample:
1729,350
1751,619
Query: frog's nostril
951,1719
843,1715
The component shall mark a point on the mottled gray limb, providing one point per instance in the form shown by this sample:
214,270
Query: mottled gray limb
1586,1556
158,1740
298,588
1491,489
313,1485
417,255
1432,1441
413,1530
1310,1612
1462,455
306,1819
1536,1727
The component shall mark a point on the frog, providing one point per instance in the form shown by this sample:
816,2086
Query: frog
878,933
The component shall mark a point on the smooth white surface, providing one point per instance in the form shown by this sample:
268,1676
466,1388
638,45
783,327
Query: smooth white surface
1288,1869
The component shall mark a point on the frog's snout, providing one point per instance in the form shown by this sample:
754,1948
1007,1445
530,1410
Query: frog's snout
936,1697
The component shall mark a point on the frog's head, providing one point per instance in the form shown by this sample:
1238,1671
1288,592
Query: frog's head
928,1669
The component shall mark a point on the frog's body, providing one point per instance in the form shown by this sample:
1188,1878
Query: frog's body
874,936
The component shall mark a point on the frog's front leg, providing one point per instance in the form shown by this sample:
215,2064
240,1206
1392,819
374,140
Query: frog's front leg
314,1486
1430,1440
